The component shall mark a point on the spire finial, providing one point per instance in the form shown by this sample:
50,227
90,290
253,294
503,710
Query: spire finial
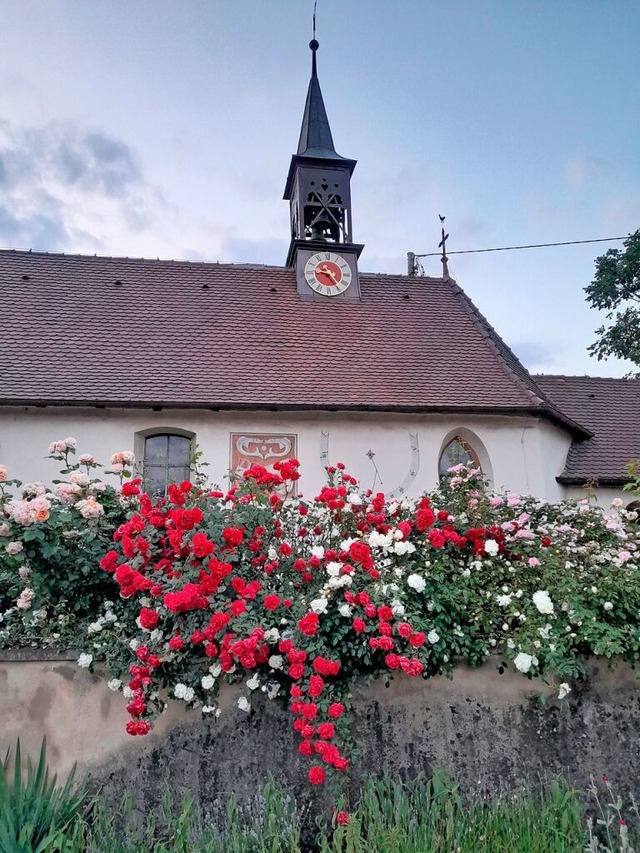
313,44
443,245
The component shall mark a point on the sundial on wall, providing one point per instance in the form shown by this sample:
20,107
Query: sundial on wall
397,491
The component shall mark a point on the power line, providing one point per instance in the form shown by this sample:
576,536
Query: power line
530,246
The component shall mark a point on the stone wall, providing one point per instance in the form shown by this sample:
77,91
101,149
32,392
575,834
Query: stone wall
487,731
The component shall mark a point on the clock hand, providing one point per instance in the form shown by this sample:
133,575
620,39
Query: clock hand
328,271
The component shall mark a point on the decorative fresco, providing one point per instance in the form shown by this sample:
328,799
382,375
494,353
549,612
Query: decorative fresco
249,449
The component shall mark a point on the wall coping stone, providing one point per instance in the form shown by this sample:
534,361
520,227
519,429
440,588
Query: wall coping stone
30,653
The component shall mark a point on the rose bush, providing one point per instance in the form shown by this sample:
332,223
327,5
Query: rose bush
298,598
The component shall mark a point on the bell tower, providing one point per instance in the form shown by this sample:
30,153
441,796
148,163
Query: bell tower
318,190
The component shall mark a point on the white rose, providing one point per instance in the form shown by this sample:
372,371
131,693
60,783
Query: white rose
276,661
114,684
207,682
333,569
345,610
180,690
317,551
273,690
542,601
189,693
85,661
522,662
14,548
433,636
244,704
608,605
272,635
215,669
563,690
491,547
319,605
417,582
503,600
253,683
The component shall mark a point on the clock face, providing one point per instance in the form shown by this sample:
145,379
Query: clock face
327,273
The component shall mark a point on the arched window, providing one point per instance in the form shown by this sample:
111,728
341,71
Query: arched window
457,452
167,459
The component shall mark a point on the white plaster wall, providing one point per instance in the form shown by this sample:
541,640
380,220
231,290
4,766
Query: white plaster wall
603,497
525,454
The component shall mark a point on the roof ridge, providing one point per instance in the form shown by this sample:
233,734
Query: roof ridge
508,360
586,376
498,345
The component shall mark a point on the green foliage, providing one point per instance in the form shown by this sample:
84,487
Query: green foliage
422,816
616,289
431,817
269,823
35,812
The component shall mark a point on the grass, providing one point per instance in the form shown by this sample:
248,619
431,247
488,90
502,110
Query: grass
424,816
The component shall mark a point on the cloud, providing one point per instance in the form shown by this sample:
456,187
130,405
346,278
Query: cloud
580,169
65,187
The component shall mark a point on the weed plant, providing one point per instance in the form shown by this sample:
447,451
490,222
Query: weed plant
36,814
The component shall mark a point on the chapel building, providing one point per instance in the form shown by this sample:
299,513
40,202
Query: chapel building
397,376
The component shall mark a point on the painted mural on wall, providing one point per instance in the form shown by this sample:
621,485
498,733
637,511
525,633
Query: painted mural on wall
249,449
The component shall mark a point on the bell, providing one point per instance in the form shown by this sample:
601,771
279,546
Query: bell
321,228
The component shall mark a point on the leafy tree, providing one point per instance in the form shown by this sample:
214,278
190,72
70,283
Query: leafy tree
616,289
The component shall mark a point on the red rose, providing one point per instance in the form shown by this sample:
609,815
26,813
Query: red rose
392,661
417,639
436,538
306,748
336,710
405,630
443,515
359,625
201,546
316,686
176,643
272,602
296,670
139,727
317,775
148,618
385,613
232,536
109,562
238,606
424,518
326,731
342,818
285,549
309,624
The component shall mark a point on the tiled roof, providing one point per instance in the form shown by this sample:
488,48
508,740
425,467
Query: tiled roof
610,408
117,331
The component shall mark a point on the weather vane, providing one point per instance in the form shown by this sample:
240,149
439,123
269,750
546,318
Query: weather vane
443,245
315,5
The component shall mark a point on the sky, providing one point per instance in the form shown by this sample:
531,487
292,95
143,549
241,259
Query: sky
164,128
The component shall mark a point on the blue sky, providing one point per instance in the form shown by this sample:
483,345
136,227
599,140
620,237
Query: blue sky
165,129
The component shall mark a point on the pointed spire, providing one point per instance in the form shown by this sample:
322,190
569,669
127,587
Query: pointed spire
315,135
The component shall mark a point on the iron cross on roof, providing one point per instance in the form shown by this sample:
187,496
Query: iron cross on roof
443,245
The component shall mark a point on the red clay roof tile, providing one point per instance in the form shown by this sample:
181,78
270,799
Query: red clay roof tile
171,333
610,408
